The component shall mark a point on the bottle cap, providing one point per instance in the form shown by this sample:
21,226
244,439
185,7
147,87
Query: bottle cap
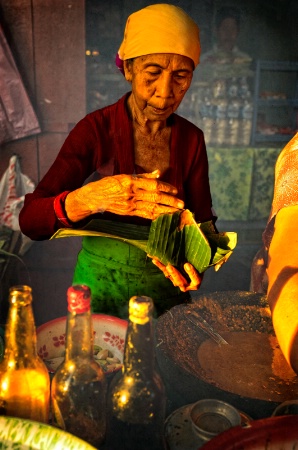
140,309
78,298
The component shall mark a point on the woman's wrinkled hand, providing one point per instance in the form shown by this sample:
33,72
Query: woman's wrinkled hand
178,279
131,195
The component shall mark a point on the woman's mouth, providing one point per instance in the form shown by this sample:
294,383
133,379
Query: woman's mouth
159,110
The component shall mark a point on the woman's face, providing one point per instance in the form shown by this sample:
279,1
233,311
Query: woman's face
227,34
159,83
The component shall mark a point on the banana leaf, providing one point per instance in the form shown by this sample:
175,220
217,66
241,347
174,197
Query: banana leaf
176,239
131,234
172,238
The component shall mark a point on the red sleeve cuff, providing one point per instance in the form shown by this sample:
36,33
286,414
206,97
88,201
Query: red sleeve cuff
59,208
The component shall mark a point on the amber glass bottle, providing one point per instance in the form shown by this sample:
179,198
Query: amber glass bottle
79,384
24,378
136,397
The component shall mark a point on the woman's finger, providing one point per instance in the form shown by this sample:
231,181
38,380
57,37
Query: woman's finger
152,184
193,274
151,210
161,266
176,277
170,272
154,174
159,198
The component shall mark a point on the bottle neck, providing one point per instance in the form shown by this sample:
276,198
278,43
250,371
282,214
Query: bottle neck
139,350
20,332
79,336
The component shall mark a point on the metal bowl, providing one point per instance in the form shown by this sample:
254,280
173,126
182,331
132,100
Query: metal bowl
209,417
178,342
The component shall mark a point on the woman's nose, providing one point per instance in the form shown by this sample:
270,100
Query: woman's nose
164,87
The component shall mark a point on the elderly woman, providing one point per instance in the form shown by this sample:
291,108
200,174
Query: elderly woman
128,163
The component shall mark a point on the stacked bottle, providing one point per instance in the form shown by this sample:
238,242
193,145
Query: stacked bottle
224,112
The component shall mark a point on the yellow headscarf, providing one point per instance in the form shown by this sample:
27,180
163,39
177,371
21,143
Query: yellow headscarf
160,28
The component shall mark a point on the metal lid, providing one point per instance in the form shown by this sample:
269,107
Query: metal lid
210,417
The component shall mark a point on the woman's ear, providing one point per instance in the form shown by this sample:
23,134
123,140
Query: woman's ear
127,65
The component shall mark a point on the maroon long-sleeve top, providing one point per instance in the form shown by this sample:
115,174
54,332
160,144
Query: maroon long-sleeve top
101,144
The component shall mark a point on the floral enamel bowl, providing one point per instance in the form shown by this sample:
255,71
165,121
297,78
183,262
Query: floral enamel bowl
109,339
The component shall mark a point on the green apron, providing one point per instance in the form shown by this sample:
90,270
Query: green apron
115,271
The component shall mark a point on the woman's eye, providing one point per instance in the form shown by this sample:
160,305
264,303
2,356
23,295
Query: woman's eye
181,77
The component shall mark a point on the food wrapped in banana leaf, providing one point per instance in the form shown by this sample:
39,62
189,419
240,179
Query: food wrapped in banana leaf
172,238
